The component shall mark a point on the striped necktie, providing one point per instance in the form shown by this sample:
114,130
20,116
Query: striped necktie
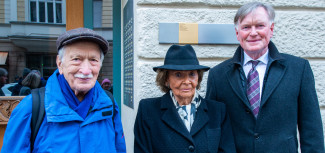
253,89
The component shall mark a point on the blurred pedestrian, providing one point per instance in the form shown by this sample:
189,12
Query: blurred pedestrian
3,79
17,87
31,81
107,85
43,81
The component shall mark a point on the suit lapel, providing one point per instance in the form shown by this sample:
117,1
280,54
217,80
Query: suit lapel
171,117
274,73
237,83
202,118
274,76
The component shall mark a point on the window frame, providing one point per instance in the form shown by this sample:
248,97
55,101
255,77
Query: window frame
54,3
40,64
97,18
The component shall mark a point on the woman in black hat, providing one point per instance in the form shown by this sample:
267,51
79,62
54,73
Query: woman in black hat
181,120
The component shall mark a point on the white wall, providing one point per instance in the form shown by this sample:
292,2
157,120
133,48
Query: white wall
128,114
299,30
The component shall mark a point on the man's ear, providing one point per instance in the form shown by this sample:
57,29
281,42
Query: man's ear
271,29
59,64
237,34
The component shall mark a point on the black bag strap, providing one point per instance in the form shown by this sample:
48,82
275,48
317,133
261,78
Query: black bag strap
110,95
38,113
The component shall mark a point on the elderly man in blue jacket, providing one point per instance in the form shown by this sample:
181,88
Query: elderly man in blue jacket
78,113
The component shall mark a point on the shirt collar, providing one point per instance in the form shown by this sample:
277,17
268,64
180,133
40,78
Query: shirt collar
263,59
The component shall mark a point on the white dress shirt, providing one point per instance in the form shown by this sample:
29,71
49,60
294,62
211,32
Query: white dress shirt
261,67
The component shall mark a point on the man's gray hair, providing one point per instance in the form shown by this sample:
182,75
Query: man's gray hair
3,72
249,8
62,51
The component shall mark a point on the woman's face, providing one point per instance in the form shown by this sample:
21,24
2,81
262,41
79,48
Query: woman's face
183,83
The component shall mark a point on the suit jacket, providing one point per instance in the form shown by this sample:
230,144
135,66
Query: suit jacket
288,102
159,129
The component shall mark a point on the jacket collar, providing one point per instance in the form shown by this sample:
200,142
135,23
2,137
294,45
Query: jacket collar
168,105
274,54
57,108
273,74
171,117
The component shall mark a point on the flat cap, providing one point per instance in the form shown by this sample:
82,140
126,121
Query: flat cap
79,34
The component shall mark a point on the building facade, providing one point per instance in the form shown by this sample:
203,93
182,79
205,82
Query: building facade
29,29
299,30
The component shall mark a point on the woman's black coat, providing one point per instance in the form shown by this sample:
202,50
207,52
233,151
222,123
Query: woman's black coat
159,129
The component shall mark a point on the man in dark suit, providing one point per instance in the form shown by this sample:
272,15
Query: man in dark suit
269,95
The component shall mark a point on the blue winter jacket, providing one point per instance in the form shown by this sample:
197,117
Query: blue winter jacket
63,130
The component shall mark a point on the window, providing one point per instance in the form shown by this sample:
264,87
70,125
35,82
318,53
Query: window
3,58
46,63
45,11
97,13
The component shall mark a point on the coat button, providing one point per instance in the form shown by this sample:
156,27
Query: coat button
256,136
191,148
247,110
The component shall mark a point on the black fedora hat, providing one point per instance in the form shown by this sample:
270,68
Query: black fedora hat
181,58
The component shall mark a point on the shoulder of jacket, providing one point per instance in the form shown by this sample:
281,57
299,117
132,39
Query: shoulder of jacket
223,65
24,107
150,101
292,57
291,60
213,103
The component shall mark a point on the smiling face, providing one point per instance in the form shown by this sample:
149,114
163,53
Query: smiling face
183,84
254,32
80,66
